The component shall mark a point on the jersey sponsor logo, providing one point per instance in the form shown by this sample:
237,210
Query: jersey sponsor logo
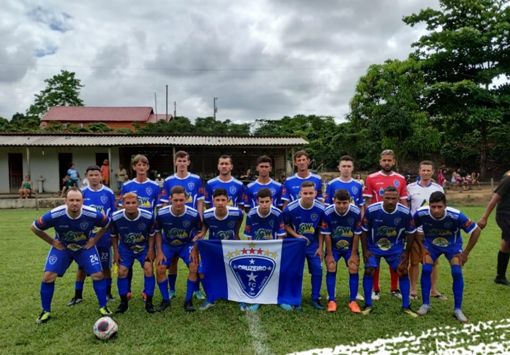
384,244
387,231
73,237
306,228
133,238
264,234
252,271
225,235
177,233
342,231
440,242
342,244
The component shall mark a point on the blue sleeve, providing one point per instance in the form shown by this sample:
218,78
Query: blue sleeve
44,222
328,199
165,193
357,225
200,190
466,224
101,219
248,228
278,203
410,225
360,201
281,226
208,194
319,188
285,192
155,197
365,224
325,228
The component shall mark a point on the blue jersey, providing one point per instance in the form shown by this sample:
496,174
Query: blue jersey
72,232
104,201
250,195
133,233
292,186
386,232
225,228
191,183
354,188
341,227
267,227
147,192
234,187
443,233
305,221
178,230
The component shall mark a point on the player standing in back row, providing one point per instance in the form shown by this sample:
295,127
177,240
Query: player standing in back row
292,185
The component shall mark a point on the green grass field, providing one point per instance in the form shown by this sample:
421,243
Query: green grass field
224,328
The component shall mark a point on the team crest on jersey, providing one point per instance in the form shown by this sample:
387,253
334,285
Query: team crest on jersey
273,191
232,190
252,269
142,226
381,191
186,223
448,224
314,217
104,199
191,185
148,190
397,221
350,221
354,190
231,224
84,225
52,260
396,183
271,223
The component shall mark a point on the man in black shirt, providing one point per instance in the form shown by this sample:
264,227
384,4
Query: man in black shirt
501,198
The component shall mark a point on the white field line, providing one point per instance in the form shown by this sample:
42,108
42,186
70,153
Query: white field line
485,337
258,336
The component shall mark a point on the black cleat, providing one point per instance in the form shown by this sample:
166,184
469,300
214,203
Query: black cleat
43,317
149,307
502,281
74,301
163,305
188,306
123,307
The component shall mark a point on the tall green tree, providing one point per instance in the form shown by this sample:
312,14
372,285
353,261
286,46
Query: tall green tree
465,58
387,112
62,89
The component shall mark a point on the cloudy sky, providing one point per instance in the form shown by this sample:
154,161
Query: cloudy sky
262,59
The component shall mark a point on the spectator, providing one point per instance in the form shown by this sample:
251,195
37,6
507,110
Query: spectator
25,190
121,176
105,172
74,175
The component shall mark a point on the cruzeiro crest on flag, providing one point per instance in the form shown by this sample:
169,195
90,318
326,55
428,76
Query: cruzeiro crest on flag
252,268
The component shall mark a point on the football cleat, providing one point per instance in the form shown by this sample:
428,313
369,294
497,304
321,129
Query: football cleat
75,301
110,297
163,305
396,293
123,307
43,317
354,307
285,306
254,307
376,295
206,305
242,306
105,311
332,306
171,294
502,281
317,305
367,311
149,307
410,312
423,310
460,315
188,306
360,297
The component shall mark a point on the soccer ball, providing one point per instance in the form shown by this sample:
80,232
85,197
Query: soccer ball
105,328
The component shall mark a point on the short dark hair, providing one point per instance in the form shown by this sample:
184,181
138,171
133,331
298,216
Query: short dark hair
437,196
181,154
226,156
427,162
346,158
342,195
220,192
391,188
300,153
92,168
264,159
308,184
178,189
264,192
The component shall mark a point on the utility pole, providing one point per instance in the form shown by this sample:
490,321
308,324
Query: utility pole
155,103
166,113
175,109
215,108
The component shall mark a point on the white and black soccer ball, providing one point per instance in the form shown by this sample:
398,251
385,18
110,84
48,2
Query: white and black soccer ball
105,328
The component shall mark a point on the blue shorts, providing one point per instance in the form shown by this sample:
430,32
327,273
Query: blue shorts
346,254
182,252
393,260
435,251
105,255
314,261
128,256
59,260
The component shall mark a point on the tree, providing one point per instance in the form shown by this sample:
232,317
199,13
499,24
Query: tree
387,112
464,54
62,89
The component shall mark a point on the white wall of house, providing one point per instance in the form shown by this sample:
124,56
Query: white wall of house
44,163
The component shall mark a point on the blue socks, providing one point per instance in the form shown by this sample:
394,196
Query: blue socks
191,286
353,286
405,287
426,282
330,285
100,290
78,285
458,285
163,288
149,284
47,289
171,281
367,289
123,286
316,286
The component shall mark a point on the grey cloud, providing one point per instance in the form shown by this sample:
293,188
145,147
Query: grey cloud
56,21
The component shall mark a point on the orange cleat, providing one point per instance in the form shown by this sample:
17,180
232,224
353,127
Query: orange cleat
331,306
354,307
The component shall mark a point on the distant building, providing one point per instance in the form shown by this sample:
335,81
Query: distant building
113,117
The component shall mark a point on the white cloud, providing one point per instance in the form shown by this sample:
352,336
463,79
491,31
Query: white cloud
263,59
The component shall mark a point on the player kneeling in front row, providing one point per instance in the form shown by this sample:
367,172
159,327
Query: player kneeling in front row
342,228
264,222
177,225
439,231
73,224
133,239
386,226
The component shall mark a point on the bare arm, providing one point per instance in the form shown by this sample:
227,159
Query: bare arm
492,203
51,241
473,238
